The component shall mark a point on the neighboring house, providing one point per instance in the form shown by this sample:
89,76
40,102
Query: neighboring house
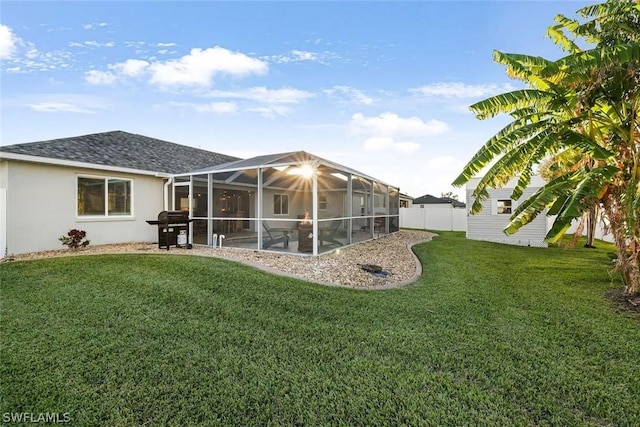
406,201
489,224
428,199
109,184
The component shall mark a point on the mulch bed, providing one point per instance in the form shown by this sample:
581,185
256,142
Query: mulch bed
627,303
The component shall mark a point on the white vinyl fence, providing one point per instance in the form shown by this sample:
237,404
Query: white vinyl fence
435,217
600,231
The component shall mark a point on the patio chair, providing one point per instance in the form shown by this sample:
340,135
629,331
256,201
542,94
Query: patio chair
329,234
274,239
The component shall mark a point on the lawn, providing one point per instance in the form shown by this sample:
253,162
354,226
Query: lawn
490,335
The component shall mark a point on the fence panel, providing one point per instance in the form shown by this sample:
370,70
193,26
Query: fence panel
441,218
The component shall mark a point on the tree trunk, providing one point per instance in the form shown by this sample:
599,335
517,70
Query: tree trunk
592,221
628,246
632,276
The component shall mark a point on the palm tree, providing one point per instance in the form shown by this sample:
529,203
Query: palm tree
588,103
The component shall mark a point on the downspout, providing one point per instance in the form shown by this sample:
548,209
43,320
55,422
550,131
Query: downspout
166,192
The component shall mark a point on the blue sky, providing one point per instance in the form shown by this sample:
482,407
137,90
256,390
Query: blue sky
383,87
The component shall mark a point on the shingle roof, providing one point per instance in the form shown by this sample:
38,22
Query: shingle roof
123,149
428,199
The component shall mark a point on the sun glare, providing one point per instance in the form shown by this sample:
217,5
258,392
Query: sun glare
305,171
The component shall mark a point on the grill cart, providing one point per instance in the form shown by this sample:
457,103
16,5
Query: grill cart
173,229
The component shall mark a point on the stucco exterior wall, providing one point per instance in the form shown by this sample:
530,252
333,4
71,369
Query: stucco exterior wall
41,206
4,169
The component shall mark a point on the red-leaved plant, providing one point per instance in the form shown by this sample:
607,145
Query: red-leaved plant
75,239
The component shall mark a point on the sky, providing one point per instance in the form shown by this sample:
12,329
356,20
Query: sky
382,87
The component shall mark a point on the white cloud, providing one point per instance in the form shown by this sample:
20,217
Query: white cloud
95,25
63,103
212,107
390,124
386,143
96,77
301,56
200,66
217,107
7,42
130,67
378,143
350,94
59,107
134,44
406,147
91,43
165,44
461,90
270,111
30,59
262,94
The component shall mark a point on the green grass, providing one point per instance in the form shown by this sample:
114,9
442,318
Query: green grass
491,335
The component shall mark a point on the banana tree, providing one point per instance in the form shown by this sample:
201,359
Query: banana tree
570,161
588,103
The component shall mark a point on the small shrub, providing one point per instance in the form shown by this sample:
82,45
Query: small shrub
75,239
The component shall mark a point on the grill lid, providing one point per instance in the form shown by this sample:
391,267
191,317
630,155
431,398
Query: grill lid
173,217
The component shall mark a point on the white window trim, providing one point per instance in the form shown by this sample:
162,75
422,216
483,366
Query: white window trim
326,203
274,204
106,215
494,207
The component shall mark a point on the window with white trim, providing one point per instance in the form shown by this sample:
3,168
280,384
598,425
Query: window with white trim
322,202
104,197
281,204
505,206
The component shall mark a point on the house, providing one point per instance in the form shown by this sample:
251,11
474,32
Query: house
406,201
488,225
109,184
428,199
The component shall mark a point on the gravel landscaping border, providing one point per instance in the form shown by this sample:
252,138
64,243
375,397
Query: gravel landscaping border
341,267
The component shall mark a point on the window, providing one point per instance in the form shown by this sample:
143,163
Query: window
281,204
104,196
404,204
504,206
322,203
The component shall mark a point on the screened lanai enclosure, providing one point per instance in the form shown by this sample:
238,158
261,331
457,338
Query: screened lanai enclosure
293,202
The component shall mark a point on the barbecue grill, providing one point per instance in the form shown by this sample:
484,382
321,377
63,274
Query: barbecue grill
173,229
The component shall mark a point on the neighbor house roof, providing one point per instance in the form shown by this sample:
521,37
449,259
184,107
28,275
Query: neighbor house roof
123,150
428,199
